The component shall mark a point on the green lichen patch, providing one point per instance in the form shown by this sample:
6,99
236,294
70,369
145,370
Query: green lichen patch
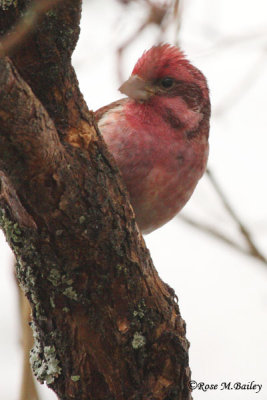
54,277
138,341
82,219
52,364
12,231
140,311
75,378
44,362
122,270
5,4
66,280
52,301
70,293
51,13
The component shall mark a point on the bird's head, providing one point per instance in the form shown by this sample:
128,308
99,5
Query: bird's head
163,71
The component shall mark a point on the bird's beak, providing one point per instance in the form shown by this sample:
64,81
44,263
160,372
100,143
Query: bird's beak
136,88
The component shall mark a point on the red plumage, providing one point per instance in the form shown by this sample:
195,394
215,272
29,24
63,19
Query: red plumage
159,134
156,60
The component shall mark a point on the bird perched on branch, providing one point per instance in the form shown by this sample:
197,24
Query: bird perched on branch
158,135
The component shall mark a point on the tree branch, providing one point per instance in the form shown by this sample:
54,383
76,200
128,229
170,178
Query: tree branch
253,249
213,232
30,136
105,325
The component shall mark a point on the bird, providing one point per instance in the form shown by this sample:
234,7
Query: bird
159,133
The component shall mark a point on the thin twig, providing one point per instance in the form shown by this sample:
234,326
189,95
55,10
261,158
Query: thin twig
127,43
177,11
214,232
156,15
25,25
253,249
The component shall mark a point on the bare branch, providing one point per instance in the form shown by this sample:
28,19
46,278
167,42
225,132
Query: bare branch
214,232
242,228
34,143
177,13
156,15
251,250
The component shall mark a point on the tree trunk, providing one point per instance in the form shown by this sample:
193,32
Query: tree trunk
105,325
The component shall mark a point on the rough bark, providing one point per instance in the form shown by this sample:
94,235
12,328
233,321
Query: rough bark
105,325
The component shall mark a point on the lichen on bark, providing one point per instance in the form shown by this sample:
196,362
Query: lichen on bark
5,4
105,325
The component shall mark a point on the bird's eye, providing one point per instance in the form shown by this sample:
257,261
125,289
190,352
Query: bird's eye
167,83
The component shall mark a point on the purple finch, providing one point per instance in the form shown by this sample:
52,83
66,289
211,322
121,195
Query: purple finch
158,135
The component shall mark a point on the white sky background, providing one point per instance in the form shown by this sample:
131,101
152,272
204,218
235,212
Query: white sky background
222,293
